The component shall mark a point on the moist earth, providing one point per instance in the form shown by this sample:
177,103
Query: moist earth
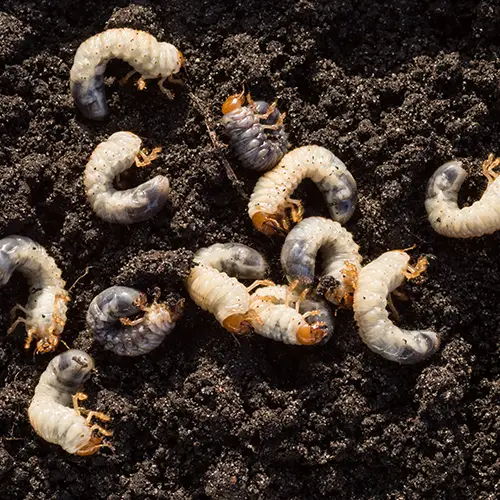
394,89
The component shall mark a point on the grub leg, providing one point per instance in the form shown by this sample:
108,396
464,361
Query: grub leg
269,111
29,337
489,166
253,317
399,294
177,310
413,272
291,287
250,101
17,307
127,77
14,326
301,299
142,302
314,312
392,307
296,209
131,322
97,414
175,80
101,430
277,125
167,92
79,396
258,283
143,159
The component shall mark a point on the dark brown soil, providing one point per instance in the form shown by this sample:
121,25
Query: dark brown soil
394,88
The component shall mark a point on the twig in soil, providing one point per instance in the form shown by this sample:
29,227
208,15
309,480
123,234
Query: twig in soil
218,146
82,276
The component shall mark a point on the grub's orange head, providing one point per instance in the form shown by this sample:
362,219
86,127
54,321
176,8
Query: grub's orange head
267,224
311,334
233,102
238,324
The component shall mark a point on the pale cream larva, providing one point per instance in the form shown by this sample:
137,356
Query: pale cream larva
212,284
375,282
150,58
54,412
47,303
445,216
110,158
339,255
271,200
284,315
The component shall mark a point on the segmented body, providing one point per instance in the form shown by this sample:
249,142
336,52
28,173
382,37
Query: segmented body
212,285
339,254
378,332
47,303
278,319
110,158
445,216
52,413
150,58
257,146
270,199
134,338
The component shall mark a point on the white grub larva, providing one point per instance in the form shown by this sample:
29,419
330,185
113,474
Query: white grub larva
213,287
256,132
110,158
339,254
292,318
54,412
482,217
108,318
150,58
375,282
47,304
270,199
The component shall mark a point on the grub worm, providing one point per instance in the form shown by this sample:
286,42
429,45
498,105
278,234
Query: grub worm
271,200
108,318
284,315
256,132
339,254
375,282
213,287
110,158
150,58
47,304
482,217
54,412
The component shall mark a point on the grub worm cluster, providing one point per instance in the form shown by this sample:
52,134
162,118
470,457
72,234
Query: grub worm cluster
54,411
319,257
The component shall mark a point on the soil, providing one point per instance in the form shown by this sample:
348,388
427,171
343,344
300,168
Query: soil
394,88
